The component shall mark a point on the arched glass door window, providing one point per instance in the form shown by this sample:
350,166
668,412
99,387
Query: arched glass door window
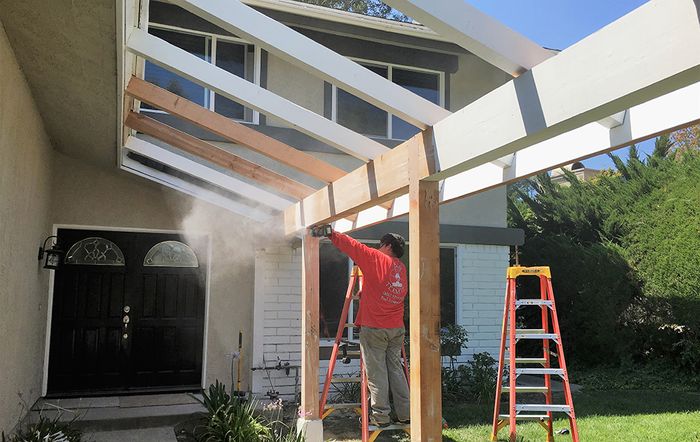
95,251
171,254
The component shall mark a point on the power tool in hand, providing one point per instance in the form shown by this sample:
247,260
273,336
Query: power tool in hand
322,230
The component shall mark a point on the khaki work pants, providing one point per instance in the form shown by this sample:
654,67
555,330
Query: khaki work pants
381,351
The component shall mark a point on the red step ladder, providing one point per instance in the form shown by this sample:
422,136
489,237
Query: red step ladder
347,348
519,410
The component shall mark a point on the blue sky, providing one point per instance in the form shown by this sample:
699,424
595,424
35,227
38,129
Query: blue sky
558,24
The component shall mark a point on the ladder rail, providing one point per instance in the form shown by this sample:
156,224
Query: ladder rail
501,355
512,377
562,364
547,361
355,277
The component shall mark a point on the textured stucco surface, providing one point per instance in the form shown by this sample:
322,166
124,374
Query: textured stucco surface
87,195
25,169
67,51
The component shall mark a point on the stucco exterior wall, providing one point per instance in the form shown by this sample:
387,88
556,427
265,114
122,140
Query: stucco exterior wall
474,79
25,174
294,84
89,196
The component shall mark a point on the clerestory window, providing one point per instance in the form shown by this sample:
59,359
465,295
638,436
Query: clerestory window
229,53
365,118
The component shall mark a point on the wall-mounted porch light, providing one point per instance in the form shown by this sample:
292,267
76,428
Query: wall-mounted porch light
53,255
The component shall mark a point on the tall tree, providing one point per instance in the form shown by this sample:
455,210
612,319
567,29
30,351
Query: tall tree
373,8
686,139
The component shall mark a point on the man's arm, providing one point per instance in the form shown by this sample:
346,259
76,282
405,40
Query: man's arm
358,252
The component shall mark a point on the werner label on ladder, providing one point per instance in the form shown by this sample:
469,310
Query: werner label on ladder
522,399
382,286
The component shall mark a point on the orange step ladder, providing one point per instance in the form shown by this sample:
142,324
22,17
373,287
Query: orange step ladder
346,348
518,409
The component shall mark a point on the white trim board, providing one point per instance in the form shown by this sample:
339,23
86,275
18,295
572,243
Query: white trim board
301,51
235,88
52,275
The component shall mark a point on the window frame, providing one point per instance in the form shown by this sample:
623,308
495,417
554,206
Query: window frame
212,40
390,71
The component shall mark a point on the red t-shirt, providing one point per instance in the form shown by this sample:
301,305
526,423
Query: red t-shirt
385,284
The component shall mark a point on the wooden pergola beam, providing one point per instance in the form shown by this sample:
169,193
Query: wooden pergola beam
310,285
670,112
424,301
232,131
216,155
558,96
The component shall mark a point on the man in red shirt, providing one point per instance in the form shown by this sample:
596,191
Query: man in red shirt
381,319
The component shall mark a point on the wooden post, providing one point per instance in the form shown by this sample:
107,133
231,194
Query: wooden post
309,412
424,237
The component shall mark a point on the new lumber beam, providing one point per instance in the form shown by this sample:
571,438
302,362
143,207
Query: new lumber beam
301,51
205,173
232,131
424,303
671,112
310,285
628,63
476,32
248,94
214,154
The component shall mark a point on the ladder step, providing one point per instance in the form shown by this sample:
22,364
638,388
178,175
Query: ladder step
343,406
348,380
525,389
525,417
349,325
536,336
551,371
349,353
529,330
530,361
521,302
543,408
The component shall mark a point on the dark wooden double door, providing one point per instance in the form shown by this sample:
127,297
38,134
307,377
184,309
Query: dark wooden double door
128,327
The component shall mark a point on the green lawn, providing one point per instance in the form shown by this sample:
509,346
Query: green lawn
620,416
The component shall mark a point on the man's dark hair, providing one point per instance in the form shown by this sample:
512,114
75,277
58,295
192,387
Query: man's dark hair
395,241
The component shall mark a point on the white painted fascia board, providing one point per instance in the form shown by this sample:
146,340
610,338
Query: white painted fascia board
192,190
205,173
484,36
238,89
647,120
303,52
629,62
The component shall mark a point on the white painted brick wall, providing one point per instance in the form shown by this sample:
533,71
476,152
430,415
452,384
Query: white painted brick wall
480,289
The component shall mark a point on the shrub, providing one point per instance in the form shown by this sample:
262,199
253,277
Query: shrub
474,381
47,430
229,419
453,338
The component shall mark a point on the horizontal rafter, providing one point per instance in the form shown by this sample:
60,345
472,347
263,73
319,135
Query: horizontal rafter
238,89
476,32
232,131
627,63
216,155
301,51
202,172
